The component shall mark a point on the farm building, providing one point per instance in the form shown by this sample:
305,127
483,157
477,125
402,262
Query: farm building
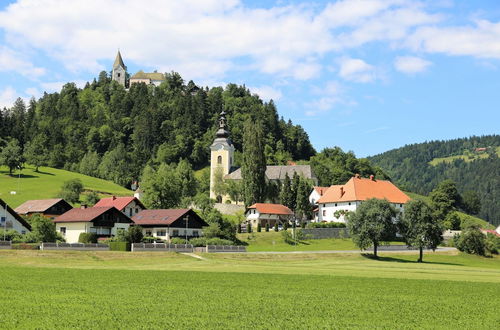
10,220
339,199
50,208
103,221
127,205
168,223
264,213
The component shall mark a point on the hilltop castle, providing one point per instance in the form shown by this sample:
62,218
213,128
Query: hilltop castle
119,74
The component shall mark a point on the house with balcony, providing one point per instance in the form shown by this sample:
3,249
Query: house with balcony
168,223
103,221
266,213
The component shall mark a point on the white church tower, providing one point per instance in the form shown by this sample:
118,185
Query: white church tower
221,156
119,72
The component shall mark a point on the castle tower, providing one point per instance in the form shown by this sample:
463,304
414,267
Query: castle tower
119,70
221,156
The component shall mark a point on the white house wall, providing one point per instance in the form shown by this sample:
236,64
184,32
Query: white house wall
169,232
327,210
314,197
11,222
132,209
73,230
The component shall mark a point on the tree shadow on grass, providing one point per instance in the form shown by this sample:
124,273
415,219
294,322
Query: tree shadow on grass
22,176
412,261
45,173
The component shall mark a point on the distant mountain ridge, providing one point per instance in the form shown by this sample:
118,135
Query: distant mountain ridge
473,163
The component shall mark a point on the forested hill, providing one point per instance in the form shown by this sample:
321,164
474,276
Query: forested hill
473,163
105,131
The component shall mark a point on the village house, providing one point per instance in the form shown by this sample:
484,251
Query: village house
10,220
49,208
340,199
222,163
129,205
103,221
316,194
265,213
168,223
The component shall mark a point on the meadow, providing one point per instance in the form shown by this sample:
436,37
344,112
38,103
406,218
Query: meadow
57,289
47,182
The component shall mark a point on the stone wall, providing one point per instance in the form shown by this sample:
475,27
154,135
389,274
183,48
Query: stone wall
318,233
229,208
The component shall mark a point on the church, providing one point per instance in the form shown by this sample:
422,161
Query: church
119,74
222,160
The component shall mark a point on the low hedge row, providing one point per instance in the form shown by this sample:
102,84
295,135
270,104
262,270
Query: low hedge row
119,246
26,246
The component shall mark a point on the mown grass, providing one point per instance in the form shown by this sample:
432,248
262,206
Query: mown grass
465,157
47,183
282,291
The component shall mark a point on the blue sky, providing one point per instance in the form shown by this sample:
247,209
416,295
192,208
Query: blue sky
365,75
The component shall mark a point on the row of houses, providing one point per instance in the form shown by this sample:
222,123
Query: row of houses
105,219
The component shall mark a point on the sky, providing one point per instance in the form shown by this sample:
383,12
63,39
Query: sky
364,75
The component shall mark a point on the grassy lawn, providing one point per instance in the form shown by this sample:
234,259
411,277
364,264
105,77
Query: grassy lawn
58,289
273,241
47,184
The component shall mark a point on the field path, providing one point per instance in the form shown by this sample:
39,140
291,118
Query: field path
194,256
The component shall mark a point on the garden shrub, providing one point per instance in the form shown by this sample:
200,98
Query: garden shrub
119,246
492,243
249,228
87,238
471,241
178,240
267,226
259,227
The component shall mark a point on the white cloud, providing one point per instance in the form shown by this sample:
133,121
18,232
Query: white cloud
481,40
267,93
411,64
356,70
330,95
7,97
13,61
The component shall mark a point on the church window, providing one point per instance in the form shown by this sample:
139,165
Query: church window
219,160
218,199
118,74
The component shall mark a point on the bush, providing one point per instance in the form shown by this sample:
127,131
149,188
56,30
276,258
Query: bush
134,234
10,235
202,241
289,239
87,238
326,225
276,228
492,243
71,190
471,241
259,227
119,246
178,240
249,228
267,227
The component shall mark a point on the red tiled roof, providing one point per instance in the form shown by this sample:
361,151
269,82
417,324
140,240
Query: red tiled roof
37,205
360,189
491,231
82,215
321,190
118,202
159,217
271,208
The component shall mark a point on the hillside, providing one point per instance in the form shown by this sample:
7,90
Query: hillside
47,183
473,163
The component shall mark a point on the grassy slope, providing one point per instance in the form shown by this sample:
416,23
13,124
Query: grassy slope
465,157
161,290
47,183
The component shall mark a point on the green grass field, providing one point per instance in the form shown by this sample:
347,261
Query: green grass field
59,289
47,184
466,157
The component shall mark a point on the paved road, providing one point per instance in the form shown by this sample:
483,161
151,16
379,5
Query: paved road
384,249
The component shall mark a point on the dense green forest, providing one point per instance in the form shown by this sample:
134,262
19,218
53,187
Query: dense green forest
477,171
104,131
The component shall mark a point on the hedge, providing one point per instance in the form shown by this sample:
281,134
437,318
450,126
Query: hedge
87,238
326,225
119,246
26,246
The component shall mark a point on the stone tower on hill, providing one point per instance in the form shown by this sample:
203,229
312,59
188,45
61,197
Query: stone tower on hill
119,70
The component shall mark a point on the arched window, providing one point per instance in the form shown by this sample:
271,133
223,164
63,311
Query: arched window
218,199
219,160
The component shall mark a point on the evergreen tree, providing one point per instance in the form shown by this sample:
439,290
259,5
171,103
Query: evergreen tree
286,194
253,169
303,207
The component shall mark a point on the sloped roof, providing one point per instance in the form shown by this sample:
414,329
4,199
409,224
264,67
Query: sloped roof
271,208
360,189
320,190
37,205
118,61
82,215
278,172
148,75
15,215
162,217
118,202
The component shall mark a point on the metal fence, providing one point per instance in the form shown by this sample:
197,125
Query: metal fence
5,245
162,247
224,248
75,246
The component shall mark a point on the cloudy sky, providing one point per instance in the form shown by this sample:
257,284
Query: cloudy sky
366,75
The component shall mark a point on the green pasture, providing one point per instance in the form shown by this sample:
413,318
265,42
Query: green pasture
467,157
55,289
47,183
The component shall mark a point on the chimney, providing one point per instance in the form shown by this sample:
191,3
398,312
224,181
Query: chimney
341,191
372,177
83,206
356,176
114,197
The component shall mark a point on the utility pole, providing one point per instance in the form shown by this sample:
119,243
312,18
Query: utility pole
186,218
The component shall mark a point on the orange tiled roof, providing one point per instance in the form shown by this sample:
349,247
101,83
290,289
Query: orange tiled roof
321,190
360,189
271,208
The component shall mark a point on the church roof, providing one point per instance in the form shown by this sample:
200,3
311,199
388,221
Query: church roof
277,172
148,75
118,61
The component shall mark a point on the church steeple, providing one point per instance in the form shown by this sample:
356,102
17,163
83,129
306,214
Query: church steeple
222,132
119,72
